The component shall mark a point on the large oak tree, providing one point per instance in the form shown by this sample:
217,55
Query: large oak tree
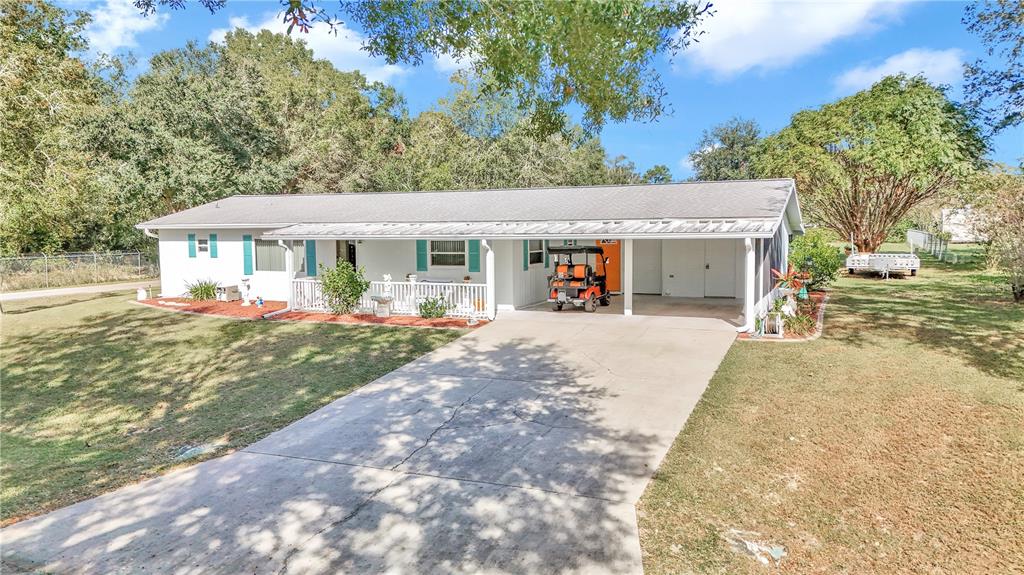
863,162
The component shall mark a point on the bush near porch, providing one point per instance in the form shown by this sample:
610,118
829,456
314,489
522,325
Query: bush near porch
100,392
893,444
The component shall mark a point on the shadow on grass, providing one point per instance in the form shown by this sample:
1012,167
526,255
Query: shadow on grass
962,311
127,389
480,459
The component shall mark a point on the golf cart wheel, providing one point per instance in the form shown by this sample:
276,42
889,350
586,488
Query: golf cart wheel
913,272
850,270
591,304
606,300
556,306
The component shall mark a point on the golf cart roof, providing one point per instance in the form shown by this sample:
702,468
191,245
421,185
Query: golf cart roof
575,250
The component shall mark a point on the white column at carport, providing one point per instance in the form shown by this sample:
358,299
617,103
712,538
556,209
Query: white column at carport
748,292
627,277
489,279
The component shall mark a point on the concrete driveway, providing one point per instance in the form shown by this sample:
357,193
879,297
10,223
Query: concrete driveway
519,448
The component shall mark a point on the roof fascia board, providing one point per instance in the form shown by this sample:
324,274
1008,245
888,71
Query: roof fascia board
538,236
212,226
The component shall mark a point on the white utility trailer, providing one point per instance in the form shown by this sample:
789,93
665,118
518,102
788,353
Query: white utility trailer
883,263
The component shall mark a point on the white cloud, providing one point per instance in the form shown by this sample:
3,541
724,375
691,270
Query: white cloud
447,64
116,23
938,66
343,50
767,34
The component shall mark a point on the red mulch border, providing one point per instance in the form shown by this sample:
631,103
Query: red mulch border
235,310
819,298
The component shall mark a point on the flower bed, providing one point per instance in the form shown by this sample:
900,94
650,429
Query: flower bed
235,310
813,307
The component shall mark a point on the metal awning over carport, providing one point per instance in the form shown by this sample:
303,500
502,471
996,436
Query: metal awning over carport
620,229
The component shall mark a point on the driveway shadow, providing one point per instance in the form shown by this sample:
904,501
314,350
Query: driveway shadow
504,458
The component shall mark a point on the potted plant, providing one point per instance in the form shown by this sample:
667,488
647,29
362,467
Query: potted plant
467,279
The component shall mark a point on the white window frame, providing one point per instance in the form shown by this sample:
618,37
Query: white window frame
531,252
434,252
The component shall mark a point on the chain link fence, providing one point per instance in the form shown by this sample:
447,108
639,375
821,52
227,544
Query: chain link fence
78,268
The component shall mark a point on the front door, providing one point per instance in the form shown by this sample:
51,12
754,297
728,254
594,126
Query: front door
720,268
613,271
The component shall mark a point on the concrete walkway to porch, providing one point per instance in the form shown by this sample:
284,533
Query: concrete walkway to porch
520,448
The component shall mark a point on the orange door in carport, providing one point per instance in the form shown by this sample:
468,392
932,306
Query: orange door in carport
613,271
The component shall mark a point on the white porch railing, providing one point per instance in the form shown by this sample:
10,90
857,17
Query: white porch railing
464,300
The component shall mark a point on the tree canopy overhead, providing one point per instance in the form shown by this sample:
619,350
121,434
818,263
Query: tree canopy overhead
996,87
85,154
863,162
549,54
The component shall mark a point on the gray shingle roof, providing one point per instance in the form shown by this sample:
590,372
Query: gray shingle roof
744,199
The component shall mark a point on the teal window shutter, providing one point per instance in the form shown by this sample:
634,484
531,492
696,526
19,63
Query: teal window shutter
311,258
474,255
247,255
213,245
547,256
421,255
526,255
191,245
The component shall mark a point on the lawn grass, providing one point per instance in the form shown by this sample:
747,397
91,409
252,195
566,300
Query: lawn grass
893,444
98,392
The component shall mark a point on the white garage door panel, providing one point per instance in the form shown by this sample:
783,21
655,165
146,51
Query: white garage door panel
720,268
647,266
682,268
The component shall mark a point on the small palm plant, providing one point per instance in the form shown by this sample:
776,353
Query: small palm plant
202,290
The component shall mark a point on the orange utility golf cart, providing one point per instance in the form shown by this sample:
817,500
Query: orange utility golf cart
576,282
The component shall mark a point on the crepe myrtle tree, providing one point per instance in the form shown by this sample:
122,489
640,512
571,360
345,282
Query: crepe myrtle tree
863,162
551,54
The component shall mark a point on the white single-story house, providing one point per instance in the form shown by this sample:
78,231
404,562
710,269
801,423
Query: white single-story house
486,250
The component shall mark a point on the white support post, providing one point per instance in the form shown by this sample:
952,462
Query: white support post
289,270
748,292
489,279
627,277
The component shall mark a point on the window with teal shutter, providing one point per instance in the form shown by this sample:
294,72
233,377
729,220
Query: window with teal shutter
191,245
311,258
474,255
547,256
526,255
213,245
247,255
421,255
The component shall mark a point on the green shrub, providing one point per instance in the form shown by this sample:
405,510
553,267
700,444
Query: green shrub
202,290
435,306
813,253
898,233
343,285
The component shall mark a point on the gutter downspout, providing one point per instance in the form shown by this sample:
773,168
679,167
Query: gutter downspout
748,292
146,232
289,264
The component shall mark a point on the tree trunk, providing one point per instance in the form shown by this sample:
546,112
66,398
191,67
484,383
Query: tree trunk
1018,291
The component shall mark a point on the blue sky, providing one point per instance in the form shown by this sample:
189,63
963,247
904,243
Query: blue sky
759,59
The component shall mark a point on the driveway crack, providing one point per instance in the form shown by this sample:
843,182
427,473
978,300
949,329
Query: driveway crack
348,517
426,442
